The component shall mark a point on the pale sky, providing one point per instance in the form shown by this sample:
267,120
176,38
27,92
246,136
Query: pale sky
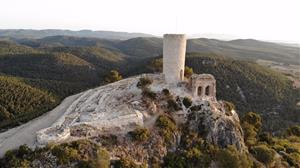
259,19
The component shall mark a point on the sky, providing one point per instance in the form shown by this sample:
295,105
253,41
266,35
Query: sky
274,20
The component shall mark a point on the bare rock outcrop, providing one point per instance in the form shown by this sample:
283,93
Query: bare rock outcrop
219,127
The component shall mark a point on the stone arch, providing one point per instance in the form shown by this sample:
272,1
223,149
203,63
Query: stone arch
199,91
207,90
181,74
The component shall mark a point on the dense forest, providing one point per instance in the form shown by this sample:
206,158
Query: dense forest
49,69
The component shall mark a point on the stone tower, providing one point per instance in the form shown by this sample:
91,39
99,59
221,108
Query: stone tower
174,57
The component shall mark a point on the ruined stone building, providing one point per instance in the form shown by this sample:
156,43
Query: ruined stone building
174,49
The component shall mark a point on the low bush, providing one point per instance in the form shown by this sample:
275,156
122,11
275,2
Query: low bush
167,128
263,154
231,157
140,134
172,105
144,82
166,92
102,159
113,76
266,137
187,102
294,131
188,72
149,93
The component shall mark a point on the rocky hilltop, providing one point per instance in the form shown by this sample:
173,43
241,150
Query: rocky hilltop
123,106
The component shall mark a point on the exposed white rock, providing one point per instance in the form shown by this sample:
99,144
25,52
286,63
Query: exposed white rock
118,108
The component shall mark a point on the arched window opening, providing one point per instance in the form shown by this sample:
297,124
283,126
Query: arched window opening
199,91
207,90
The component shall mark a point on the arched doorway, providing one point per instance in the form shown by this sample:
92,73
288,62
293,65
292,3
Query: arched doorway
181,74
207,90
199,91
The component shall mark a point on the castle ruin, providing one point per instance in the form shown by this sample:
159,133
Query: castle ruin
174,48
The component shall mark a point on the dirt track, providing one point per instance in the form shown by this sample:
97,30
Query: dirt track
26,133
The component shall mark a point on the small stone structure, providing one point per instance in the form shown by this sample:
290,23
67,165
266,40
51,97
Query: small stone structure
203,86
174,46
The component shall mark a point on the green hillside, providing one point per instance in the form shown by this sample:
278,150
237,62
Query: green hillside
20,102
71,41
251,88
54,66
11,48
141,47
247,49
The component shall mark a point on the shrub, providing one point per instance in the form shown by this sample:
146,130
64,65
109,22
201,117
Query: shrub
228,107
196,108
23,151
251,124
173,160
102,159
266,137
193,153
149,93
188,72
190,139
253,119
293,159
166,92
278,148
113,76
167,127
294,131
144,82
164,122
140,134
187,102
249,134
172,105
231,157
65,155
126,162
263,154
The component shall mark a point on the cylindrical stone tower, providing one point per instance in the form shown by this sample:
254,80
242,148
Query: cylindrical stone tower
174,57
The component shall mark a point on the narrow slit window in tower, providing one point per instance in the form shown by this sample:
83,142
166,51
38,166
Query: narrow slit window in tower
181,74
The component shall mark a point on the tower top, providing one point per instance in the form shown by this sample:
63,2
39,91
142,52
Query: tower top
174,36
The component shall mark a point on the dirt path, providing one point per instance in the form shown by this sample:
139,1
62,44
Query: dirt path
26,133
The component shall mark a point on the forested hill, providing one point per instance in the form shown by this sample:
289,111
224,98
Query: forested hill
247,49
56,71
251,87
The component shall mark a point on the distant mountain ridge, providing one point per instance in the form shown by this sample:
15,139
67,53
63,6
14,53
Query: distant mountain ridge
35,34
244,49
